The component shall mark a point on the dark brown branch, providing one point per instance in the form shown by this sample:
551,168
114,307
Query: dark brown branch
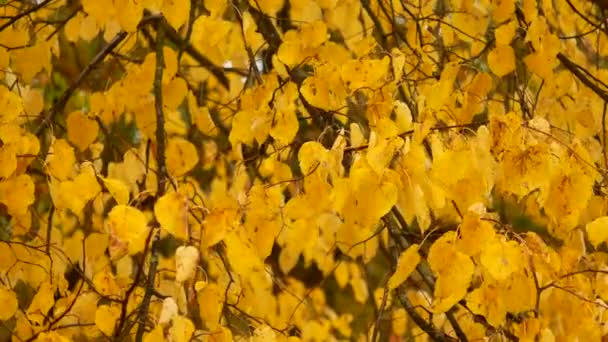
24,13
161,178
575,70
428,327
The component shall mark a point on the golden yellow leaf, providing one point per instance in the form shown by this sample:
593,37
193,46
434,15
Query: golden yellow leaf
399,321
17,193
8,298
341,274
156,335
61,159
128,228
502,258
406,264
501,60
82,130
210,300
181,155
502,10
176,12
201,117
51,336
43,301
597,231
106,317
118,189
454,272
181,329
8,160
171,211
33,101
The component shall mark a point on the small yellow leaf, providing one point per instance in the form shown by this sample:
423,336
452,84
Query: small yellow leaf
51,336
118,189
210,300
171,211
41,304
201,118
502,258
8,160
408,260
33,101
61,159
181,155
156,335
597,231
105,318
501,60
341,274
82,131
127,226
17,193
181,330
8,298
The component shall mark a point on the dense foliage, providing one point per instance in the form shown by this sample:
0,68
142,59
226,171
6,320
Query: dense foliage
311,170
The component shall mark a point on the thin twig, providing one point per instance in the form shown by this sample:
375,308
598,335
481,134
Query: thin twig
23,14
63,100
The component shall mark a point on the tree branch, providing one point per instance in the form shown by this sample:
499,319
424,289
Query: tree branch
24,13
161,178
575,70
59,105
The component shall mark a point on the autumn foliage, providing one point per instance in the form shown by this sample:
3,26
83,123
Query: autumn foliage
303,170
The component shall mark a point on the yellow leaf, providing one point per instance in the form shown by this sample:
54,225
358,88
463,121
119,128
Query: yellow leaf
454,272
181,330
597,231
474,234
8,298
408,260
174,93
210,300
502,258
171,211
502,10
501,60
33,101
127,225
201,117
61,159
17,193
51,336
241,254
505,33
82,131
488,301
399,321
186,260
176,12
8,160
269,7
341,274
181,155
105,318
43,301
118,189
156,335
